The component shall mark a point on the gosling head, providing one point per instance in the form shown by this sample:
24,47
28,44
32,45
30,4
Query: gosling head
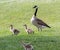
11,25
25,26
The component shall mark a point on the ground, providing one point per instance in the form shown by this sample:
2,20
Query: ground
18,13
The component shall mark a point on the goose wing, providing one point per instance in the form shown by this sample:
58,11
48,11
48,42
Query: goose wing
40,22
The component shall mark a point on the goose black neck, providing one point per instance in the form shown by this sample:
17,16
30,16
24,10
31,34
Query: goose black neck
36,11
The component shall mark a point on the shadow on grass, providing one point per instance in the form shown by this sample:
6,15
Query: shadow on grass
39,42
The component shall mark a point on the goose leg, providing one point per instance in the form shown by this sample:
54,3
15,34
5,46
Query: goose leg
38,29
33,32
41,29
28,32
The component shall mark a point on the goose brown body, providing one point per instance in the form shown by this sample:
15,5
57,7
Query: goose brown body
38,22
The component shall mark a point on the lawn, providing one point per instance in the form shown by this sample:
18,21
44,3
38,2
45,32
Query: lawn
18,13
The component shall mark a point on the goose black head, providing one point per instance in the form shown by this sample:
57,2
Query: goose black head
35,6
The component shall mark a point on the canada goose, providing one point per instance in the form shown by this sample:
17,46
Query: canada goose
27,46
13,30
28,30
38,22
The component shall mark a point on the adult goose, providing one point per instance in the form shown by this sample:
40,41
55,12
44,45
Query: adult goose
13,30
28,30
38,22
27,46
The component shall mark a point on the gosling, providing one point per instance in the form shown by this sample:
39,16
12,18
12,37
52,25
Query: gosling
13,30
27,46
28,30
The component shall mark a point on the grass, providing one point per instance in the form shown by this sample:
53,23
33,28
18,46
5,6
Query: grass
20,12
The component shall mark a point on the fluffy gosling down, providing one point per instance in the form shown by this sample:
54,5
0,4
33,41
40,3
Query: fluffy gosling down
27,46
38,22
13,30
28,30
